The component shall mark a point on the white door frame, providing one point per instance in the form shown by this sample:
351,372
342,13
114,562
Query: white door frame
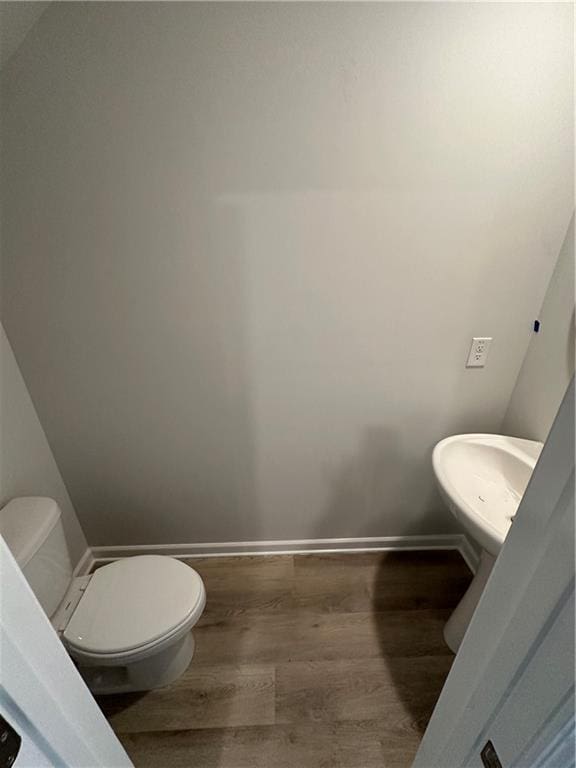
42,695
519,647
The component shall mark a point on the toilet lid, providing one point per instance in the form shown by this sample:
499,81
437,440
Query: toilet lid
133,602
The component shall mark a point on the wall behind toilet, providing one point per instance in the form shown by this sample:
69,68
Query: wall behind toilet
246,245
549,362
27,466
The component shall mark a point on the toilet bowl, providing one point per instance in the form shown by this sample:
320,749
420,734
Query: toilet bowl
128,626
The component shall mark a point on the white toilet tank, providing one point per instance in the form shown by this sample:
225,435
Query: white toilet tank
32,528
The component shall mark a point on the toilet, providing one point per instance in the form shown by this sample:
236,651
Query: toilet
128,626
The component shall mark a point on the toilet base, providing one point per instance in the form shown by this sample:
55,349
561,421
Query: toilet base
155,671
456,626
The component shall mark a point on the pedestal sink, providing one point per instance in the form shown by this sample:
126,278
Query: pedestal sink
482,479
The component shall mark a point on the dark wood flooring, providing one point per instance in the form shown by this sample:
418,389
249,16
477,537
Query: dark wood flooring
306,661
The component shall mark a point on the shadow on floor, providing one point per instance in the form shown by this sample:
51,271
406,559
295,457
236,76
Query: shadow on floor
414,594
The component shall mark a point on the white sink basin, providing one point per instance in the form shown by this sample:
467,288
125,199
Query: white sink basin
482,479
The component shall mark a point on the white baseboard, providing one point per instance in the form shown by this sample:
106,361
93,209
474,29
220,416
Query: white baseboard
85,564
457,542
470,554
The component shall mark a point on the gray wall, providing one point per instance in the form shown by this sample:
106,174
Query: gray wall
16,20
549,363
246,247
27,466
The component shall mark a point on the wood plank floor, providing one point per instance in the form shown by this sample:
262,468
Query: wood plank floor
305,661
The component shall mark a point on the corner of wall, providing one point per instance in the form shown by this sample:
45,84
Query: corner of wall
548,364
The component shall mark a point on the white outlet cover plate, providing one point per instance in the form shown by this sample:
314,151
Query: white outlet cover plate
478,351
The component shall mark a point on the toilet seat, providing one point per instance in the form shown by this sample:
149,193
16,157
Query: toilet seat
133,607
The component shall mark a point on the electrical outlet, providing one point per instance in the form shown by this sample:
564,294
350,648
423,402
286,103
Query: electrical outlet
478,351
